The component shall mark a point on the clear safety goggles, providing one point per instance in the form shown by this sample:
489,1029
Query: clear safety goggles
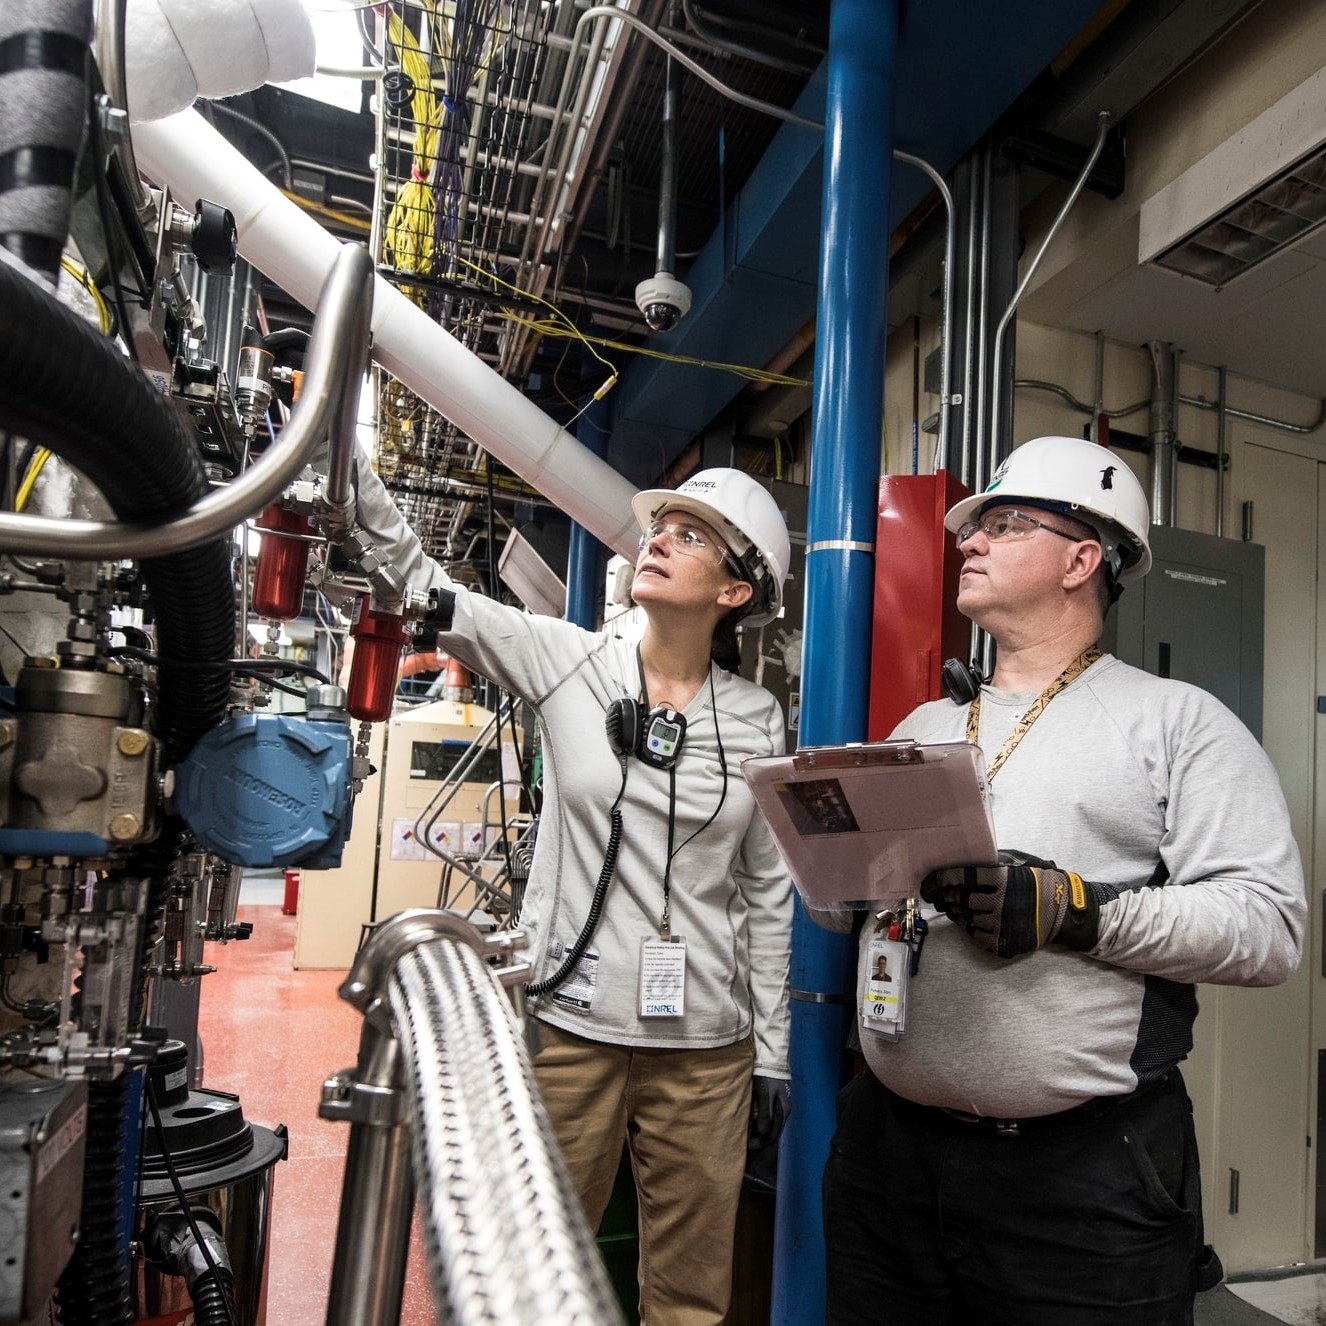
689,539
1007,522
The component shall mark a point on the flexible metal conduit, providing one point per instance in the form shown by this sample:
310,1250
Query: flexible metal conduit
507,1244
1199,402
996,371
334,367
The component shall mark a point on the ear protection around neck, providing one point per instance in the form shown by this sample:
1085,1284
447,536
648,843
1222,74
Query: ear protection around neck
961,682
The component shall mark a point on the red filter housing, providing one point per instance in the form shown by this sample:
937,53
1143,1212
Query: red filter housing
282,565
917,624
379,638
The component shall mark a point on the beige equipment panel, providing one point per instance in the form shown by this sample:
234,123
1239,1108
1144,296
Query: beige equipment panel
384,868
335,904
423,745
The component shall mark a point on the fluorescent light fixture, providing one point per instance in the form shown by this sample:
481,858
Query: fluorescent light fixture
1279,214
338,44
530,578
1254,195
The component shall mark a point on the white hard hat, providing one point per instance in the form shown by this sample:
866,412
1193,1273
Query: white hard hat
1083,480
744,513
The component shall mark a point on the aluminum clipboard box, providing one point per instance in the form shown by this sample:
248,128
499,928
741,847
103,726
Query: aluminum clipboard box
862,824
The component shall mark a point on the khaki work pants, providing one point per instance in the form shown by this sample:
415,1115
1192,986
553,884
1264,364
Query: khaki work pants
684,1115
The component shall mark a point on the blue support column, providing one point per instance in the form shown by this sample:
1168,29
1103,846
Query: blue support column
585,556
840,541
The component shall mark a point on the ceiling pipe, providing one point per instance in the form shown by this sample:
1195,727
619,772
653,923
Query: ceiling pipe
698,20
630,76
185,154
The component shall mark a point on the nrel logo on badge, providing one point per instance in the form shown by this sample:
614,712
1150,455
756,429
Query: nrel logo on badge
659,1008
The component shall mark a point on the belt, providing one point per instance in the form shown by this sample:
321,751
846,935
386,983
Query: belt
1089,1112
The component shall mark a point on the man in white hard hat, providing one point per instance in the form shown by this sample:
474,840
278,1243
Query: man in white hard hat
1023,1154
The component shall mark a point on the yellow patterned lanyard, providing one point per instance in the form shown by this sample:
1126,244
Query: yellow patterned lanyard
1071,673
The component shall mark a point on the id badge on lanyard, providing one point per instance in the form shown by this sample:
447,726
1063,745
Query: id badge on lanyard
893,956
662,977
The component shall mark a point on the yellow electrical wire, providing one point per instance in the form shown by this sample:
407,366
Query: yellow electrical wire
742,370
407,235
39,459
80,274
318,209
570,328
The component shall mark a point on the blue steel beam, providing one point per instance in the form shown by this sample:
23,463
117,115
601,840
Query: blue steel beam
840,571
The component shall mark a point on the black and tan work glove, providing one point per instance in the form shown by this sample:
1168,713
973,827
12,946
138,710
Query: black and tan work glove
1019,905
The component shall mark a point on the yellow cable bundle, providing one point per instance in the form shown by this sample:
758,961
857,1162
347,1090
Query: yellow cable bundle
408,235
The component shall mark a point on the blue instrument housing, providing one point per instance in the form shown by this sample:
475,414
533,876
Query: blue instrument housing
270,790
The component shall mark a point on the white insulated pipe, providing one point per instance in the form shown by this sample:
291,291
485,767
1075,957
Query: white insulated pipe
184,154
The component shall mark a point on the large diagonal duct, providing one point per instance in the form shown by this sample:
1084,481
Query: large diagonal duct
187,156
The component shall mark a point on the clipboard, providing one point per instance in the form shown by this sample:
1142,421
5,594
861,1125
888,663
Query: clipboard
862,824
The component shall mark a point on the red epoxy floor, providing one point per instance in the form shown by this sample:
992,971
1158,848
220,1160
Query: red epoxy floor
272,1035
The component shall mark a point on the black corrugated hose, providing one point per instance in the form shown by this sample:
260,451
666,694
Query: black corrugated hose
94,1289
66,386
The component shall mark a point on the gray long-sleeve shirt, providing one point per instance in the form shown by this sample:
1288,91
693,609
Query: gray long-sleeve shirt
1122,774
731,895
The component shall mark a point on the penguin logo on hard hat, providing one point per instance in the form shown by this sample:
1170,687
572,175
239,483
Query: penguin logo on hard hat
1107,477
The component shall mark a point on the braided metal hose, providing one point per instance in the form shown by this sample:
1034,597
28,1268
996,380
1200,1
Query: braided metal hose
506,1240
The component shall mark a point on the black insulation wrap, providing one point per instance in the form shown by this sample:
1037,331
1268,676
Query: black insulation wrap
94,1288
64,385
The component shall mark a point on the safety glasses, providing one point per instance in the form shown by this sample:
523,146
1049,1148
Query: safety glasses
688,539
1007,522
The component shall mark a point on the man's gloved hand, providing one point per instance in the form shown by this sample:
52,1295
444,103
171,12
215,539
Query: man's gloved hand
770,1104
1019,905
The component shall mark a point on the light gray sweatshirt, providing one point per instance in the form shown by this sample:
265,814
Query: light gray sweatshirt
1122,774
731,893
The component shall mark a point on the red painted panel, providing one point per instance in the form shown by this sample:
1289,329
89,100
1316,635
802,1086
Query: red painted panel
916,625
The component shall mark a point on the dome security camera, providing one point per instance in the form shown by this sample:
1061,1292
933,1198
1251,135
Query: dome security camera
663,300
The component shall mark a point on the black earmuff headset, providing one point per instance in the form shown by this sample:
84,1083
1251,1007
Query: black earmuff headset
961,681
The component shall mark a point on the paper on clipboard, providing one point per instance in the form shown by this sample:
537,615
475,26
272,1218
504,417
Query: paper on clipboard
864,823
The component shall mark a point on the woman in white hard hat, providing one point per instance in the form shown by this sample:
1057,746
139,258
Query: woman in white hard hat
658,909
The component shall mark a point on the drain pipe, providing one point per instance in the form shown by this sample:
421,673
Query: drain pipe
1164,448
946,349
583,555
1221,402
840,548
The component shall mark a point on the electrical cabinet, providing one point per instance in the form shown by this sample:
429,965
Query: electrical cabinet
1198,617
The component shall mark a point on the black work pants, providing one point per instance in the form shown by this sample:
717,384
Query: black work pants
1087,1221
